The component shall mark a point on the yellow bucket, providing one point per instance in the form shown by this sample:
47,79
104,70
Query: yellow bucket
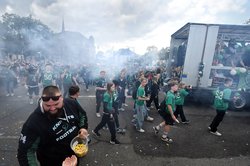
79,146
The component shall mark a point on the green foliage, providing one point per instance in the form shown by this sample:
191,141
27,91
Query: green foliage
163,53
19,32
248,21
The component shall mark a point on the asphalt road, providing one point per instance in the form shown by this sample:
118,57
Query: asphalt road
193,145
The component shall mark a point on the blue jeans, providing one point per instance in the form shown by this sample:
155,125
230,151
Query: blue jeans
10,87
140,115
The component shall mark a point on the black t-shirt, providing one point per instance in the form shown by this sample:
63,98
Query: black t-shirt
32,79
101,82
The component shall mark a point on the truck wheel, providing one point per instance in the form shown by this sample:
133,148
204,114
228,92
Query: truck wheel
239,103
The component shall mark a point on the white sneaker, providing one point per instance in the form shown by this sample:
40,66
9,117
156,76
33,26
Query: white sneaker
114,142
141,130
7,94
98,115
124,104
149,119
12,94
31,101
133,122
122,109
156,130
216,133
105,128
167,139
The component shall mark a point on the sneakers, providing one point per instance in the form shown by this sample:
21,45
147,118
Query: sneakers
114,142
124,104
209,128
121,109
120,130
141,131
133,121
216,133
167,139
185,122
12,94
31,101
105,128
98,115
7,94
96,133
156,130
149,119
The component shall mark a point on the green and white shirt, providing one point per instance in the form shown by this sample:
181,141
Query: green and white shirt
220,95
107,98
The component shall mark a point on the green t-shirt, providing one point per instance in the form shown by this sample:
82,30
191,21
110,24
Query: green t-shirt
101,82
47,79
108,99
140,93
170,100
180,96
219,95
67,79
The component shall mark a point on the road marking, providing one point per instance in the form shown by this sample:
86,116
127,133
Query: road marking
90,96
9,137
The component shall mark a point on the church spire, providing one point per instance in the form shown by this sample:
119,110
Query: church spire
63,28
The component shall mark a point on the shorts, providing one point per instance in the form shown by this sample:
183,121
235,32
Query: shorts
34,90
167,117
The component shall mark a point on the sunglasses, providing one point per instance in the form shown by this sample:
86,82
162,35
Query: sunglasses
47,98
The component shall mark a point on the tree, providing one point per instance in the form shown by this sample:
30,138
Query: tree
22,34
150,56
163,53
248,21
152,49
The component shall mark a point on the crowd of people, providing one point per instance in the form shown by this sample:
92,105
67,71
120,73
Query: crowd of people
34,74
59,117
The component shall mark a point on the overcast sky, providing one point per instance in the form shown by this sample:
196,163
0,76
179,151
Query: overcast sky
129,23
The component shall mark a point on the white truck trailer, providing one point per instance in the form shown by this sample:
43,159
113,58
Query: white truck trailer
203,55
